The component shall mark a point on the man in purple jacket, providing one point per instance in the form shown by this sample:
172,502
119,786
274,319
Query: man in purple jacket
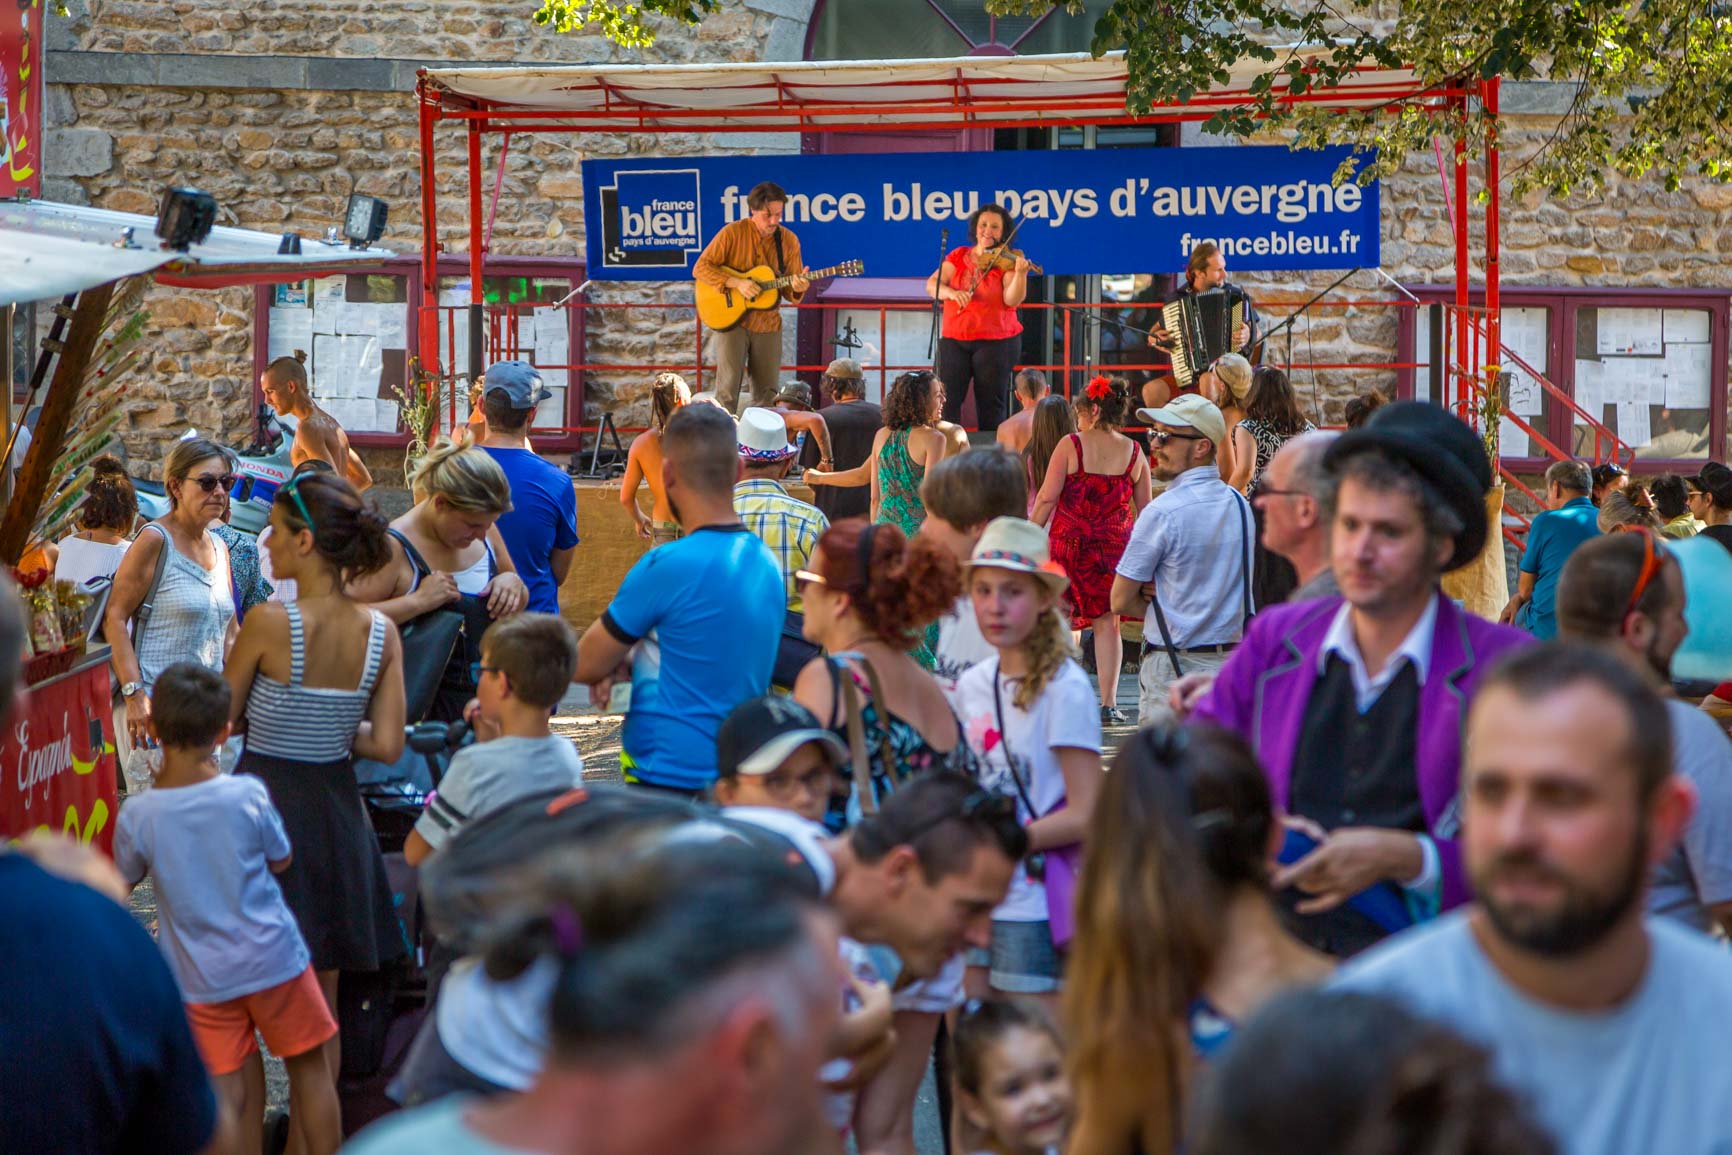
1356,704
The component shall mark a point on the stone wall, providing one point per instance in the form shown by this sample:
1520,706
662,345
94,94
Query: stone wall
1634,234
284,110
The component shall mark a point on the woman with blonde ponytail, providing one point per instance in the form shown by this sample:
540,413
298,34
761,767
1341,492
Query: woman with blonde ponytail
643,463
447,552
1032,720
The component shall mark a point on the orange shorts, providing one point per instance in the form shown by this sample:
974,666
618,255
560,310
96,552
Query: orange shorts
292,1017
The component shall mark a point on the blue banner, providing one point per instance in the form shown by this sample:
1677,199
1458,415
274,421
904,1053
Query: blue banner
1081,211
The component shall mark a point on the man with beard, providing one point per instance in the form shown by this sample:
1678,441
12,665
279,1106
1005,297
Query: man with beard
1611,1024
1625,592
1354,703
1186,570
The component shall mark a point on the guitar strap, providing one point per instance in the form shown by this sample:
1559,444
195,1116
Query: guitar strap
777,238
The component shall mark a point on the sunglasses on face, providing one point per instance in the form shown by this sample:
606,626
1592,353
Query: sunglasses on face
1162,436
210,483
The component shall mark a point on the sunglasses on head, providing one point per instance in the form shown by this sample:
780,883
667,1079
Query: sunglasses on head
979,806
1653,561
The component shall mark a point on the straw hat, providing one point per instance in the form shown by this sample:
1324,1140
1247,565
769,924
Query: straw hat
1015,543
763,437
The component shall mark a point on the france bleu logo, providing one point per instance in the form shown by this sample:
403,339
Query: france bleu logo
650,218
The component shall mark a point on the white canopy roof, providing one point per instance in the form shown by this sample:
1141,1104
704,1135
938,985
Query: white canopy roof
49,250
981,90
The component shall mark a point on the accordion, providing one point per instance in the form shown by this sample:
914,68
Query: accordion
1201,326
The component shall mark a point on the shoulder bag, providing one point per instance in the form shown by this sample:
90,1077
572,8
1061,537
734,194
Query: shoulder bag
1058,868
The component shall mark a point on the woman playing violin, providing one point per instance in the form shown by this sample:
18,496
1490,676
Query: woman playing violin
981,286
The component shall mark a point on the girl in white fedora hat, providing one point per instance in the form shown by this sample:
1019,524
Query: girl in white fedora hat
1032,719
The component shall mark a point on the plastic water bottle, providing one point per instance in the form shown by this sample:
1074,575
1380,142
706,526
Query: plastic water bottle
141,767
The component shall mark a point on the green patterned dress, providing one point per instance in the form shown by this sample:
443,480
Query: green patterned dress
899,505
899,485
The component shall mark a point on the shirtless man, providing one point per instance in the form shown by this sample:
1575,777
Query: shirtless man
794,403
317,433
1031,386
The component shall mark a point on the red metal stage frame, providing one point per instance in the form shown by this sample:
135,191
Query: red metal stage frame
960,108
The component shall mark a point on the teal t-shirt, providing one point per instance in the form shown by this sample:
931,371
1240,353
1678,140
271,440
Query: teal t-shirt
708,610
1552,538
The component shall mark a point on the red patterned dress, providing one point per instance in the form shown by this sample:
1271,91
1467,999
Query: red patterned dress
1088,533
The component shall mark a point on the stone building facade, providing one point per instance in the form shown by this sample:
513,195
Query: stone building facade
283,110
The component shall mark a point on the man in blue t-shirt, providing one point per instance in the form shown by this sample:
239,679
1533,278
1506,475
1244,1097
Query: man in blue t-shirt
699,618
540,530
1552,538
95,1051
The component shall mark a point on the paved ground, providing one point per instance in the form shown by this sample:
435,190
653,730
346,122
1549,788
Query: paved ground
597,739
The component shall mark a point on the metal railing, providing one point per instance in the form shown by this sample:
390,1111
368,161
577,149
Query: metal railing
1068,366
1470,384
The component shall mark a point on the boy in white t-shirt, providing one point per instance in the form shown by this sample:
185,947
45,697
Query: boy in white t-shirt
212,842
526,667
961,495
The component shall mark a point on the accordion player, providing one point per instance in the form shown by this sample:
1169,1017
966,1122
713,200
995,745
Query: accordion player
1200,327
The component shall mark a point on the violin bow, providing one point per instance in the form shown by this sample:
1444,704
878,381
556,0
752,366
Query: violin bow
992,256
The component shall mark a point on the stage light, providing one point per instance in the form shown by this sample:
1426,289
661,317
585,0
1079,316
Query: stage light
364,222
185,217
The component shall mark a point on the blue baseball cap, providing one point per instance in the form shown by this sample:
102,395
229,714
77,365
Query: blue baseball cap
518,380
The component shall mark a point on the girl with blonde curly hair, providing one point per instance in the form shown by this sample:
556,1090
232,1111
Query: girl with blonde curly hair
1031,717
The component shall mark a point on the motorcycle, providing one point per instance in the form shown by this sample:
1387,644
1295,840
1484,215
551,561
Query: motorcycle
260,469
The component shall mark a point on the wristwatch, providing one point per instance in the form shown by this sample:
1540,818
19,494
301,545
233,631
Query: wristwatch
131,688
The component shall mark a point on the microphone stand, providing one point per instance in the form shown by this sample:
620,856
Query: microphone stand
1288,323
938,287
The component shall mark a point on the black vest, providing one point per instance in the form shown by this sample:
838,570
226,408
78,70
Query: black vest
1353,769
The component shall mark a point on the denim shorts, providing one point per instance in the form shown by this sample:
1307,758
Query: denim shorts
1024,959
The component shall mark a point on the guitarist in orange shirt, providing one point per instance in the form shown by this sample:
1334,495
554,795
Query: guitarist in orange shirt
755,344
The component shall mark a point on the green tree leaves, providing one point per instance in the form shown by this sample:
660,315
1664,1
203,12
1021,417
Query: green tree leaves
621,22
1651,83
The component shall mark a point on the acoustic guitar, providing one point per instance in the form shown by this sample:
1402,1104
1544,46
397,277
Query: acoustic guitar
722,308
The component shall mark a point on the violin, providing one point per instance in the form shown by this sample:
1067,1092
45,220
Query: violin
1003,260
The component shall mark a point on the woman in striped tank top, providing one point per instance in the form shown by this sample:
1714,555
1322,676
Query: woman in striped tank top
319,681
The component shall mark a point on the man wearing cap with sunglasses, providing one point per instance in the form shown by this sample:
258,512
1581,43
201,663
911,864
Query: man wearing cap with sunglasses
1355,704
1625,593
1187,568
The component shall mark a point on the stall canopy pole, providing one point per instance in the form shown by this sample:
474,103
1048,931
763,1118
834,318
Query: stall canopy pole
1461,271
428,337
81,335
1494,324
477,254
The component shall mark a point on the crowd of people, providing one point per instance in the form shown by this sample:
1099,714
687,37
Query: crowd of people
1372,874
